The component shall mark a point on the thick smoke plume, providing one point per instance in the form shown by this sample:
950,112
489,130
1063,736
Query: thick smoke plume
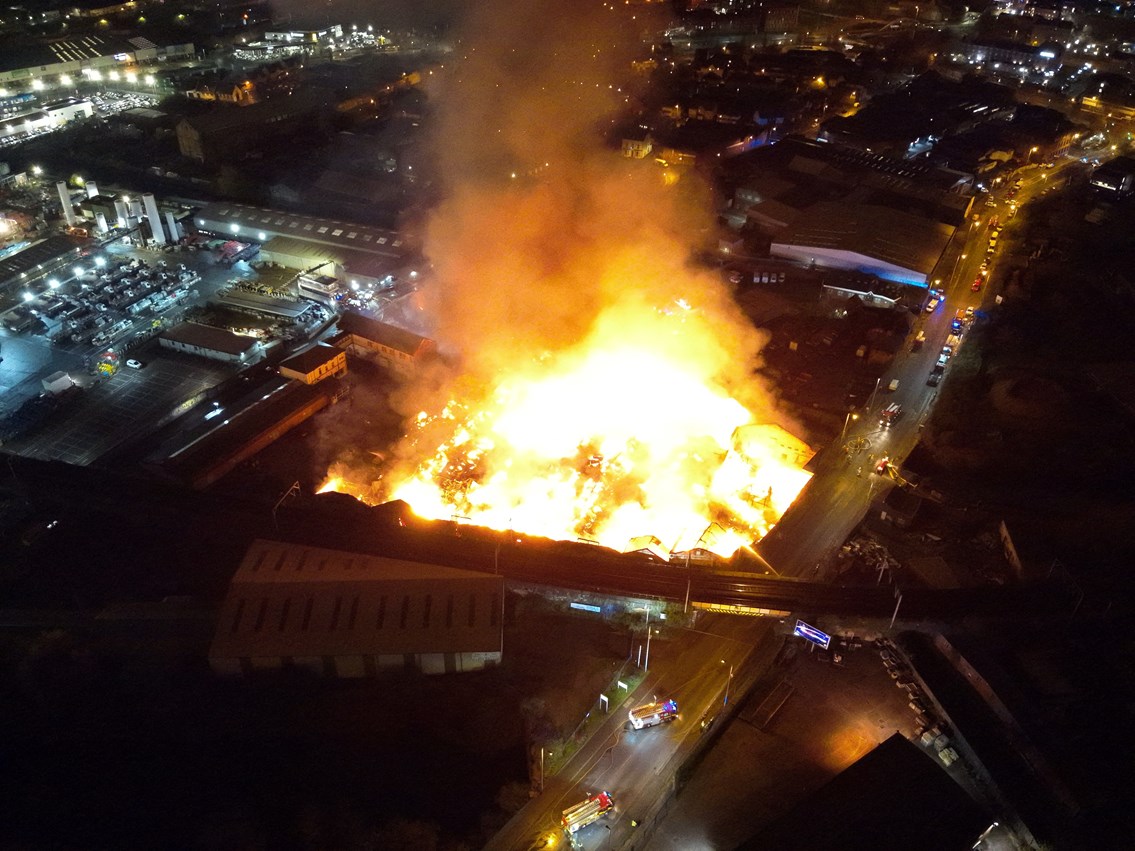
545,227
600,375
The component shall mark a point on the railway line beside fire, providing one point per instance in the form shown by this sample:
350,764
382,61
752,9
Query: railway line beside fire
592,570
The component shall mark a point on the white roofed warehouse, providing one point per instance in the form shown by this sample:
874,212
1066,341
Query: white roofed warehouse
344,614
890,244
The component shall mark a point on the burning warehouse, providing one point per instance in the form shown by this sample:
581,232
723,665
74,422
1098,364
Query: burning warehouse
599,378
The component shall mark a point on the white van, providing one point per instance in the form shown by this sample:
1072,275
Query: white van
893,386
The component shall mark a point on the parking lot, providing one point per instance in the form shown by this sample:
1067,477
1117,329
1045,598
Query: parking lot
104,315
123,406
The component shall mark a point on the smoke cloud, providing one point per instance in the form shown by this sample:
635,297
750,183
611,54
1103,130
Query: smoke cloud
545,226
599,373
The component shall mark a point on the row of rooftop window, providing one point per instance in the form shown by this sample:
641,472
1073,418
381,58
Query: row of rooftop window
382,240
346,616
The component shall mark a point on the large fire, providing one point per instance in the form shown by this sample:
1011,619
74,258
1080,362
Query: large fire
622,438
605,387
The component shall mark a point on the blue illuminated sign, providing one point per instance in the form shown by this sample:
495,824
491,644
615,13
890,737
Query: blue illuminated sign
812,634
584,607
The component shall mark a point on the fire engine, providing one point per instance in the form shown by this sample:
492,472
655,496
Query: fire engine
651,714
590,810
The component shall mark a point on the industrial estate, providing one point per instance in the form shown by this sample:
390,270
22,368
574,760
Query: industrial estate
702,424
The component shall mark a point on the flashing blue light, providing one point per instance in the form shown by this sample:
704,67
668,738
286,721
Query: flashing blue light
817,637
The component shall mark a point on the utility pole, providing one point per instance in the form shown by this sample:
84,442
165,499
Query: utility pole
646,666
871,401
725,702
292,491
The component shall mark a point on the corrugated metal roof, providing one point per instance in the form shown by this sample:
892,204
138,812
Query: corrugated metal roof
293,600
907,241
396,338
207,337
221,216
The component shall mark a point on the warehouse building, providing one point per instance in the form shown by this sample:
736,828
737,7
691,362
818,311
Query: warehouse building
228,131
315,364
32,64
36,261
209,342
362,255
343,614
402,352
881,241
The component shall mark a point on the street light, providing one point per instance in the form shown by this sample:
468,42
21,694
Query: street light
646,665
850,416
957,262
725,702
871,401
1032,151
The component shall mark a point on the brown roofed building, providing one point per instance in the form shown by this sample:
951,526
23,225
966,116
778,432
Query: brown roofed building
315,364
401,351
234,132
210,342
351,615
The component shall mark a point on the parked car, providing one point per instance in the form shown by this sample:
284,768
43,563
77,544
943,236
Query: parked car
932,305
134,363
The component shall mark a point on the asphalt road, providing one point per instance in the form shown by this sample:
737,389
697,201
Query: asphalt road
842,489
635,766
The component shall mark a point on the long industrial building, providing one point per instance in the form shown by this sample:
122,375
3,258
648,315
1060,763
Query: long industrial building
353,252
353,615
830,206
890,244
59,62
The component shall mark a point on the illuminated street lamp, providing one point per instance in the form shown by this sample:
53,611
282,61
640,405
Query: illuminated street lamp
728,682
954,274
850,416
646,662
1032,151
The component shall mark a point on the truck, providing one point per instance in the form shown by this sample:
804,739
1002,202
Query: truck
587,811
890,415
919,341
653,714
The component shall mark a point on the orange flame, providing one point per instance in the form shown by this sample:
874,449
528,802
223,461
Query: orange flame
622,436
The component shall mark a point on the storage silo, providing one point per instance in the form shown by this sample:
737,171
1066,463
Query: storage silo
65,202
154,218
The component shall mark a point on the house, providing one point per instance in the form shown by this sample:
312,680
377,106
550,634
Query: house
637,143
